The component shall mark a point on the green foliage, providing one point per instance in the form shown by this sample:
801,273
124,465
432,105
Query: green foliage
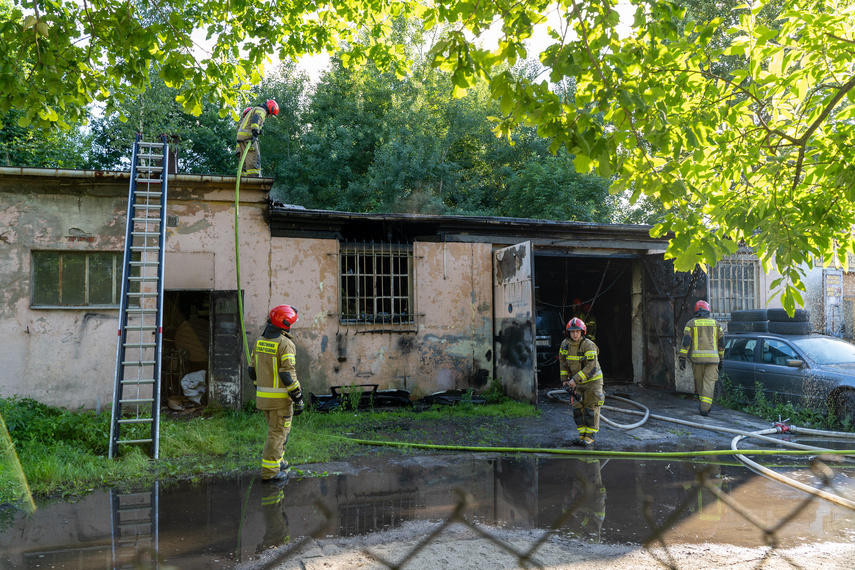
65,452
736,121
33,424
775,409
495,394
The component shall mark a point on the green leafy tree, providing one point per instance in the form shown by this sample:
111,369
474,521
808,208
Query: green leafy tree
549,187
741,136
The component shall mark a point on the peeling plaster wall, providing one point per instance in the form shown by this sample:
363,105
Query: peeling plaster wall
62,357
66,357
452,348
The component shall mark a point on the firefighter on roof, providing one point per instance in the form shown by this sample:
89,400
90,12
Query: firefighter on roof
249,127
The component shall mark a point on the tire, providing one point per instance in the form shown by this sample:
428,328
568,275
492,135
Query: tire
844,407
790,327
749,315
748,326
781,316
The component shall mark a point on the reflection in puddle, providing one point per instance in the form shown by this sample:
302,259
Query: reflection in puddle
224,521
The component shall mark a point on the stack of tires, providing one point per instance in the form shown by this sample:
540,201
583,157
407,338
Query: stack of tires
775,321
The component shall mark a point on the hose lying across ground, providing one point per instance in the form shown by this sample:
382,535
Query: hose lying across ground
763,435
560,395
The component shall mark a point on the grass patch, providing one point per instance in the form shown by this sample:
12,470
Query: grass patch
65,453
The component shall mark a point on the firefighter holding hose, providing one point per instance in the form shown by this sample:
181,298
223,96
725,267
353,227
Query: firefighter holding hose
581,372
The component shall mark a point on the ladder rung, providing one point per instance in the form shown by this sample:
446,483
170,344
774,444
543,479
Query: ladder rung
138,363
125,441
147,220
131,382
145,248
149,193
147,206
150,144
146,234
143,263
140,328
136,421
137,401
141,311
140,345
134,494
144,294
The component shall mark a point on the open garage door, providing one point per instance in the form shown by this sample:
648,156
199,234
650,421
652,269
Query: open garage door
513,321
669,297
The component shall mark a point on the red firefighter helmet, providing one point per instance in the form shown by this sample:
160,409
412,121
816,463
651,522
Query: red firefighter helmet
702,305
283,316
272,107
577,324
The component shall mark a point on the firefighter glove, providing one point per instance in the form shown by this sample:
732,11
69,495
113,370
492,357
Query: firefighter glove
255,133
719,366
299,406
682,364
252,375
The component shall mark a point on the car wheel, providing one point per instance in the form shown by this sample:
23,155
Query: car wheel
790,328
749,315
844,406
781,316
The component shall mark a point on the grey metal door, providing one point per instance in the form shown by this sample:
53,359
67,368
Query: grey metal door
513,321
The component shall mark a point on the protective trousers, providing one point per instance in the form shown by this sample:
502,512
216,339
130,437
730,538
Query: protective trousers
586,407
706,375
278,428
252,163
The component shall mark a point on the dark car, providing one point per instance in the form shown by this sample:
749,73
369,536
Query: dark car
815,371
549,332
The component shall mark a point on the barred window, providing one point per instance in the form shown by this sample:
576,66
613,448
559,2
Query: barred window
733,284
376,284
76,279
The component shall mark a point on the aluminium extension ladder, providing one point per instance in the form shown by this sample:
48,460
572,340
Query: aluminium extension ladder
134,517
136,388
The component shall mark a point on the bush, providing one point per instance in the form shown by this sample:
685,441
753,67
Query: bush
32,423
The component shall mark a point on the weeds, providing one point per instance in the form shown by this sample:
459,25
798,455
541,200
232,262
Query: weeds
64,452
771,408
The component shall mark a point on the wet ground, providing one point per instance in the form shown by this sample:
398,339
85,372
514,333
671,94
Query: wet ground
224,523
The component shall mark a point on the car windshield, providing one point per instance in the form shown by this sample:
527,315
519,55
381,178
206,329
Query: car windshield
827,350
547,320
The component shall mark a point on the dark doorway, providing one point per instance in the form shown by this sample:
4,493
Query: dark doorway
186,342
597,289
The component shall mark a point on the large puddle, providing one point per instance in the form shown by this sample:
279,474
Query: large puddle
219,523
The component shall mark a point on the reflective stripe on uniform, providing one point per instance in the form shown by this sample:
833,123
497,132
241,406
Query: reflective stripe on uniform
271,392
705,400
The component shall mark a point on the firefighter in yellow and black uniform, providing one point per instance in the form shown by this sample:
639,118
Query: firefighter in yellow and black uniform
702,345
273,370
580,371
249,127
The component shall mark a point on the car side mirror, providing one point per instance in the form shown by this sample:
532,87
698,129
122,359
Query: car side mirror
795,363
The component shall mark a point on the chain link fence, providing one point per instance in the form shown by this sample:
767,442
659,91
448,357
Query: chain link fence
767,526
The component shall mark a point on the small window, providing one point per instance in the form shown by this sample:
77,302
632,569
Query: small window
740,349
732,284
376,284
76,279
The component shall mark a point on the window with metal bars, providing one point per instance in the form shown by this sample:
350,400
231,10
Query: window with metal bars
76,279
732,284
376,284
